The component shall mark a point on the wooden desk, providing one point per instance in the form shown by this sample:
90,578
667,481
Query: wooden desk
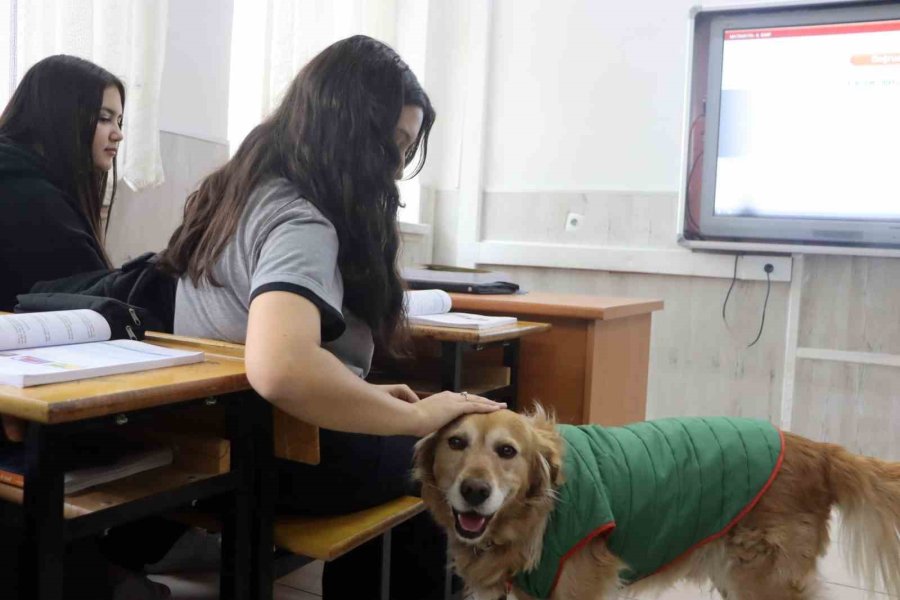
294,439
57,410
447,367
591,367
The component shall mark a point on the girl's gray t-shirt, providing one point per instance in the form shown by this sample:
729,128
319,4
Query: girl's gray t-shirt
282,243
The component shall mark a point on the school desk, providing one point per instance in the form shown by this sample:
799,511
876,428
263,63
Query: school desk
54,411
591,367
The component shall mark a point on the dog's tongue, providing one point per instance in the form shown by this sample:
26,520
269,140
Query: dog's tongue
471,521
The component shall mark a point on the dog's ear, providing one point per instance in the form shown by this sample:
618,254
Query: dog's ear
546,466
423,459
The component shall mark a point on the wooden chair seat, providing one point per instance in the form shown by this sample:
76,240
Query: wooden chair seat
327,538
324,538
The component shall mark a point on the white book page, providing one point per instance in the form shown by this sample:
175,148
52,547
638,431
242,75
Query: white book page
463,320
426,302
65,363
56,328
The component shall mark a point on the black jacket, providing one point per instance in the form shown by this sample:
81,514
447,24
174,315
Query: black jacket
43,234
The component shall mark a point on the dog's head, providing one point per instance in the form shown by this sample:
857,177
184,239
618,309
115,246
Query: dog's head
483,473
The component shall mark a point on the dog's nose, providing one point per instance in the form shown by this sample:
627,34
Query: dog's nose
475,491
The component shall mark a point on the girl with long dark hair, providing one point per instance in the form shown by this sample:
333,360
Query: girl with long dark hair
291,248
59,137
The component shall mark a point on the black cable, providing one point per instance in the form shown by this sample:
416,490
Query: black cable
692,221
768,269
731,287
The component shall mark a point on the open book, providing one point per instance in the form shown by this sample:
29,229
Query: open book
50,347
432,308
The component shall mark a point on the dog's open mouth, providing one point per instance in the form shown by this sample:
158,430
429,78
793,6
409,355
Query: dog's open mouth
471,525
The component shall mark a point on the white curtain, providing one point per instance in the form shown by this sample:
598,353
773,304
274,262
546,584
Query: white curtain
272,39
125,37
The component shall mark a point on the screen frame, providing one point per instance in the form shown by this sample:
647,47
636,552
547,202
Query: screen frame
841,232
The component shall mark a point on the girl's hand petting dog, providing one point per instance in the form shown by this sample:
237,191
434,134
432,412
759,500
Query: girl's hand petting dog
439,409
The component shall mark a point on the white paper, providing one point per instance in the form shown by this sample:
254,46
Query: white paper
36,330
427,302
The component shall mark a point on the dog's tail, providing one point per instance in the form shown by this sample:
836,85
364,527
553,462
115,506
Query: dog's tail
867,491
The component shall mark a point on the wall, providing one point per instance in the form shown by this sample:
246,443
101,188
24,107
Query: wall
582,113
194,124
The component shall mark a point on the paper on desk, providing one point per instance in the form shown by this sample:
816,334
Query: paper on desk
36,330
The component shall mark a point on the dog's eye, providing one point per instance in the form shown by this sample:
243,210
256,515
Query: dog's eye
457,443
506,451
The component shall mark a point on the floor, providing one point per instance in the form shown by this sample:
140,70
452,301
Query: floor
305,584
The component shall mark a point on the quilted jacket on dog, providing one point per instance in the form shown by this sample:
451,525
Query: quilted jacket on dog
658,489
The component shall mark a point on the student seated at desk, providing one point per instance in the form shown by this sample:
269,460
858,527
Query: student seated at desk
59,137
291,248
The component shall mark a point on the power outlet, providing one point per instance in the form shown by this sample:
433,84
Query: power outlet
753,267
573,221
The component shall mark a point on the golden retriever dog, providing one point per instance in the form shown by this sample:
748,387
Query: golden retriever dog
491,482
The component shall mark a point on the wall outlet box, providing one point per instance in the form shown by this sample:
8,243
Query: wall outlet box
573,221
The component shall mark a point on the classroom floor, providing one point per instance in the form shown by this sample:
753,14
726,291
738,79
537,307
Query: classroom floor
305,584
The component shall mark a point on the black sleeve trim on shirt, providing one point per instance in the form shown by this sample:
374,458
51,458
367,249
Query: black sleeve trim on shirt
332,321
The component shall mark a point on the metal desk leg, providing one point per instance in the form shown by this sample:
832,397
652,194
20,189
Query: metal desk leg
235,576
263,546
451,366
386,565
44,543
511,360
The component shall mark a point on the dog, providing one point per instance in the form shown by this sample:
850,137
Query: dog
492,481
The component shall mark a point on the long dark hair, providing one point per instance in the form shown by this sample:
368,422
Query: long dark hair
332,137
54,111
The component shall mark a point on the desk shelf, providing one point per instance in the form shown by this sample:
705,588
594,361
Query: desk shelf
147,492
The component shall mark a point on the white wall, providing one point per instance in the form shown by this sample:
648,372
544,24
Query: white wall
583,113
194,124
585,95
194,94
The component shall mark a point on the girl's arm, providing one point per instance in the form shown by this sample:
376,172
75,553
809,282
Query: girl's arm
287,366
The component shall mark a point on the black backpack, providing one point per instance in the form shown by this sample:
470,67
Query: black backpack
138,297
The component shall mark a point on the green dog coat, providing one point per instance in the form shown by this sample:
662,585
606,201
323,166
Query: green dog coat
657,488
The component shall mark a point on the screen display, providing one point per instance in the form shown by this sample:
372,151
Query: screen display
809,122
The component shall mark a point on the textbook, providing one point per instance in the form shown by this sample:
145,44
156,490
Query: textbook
432,308
65,345
91,461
